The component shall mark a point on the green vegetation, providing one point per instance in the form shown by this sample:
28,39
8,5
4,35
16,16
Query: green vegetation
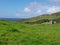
54,16
37,32
14,33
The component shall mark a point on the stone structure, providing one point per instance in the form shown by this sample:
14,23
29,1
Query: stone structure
52,22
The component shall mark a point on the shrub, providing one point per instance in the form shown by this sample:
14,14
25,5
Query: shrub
14,30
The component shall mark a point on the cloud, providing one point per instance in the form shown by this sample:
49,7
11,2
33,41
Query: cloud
27,10
53,9
38,11
36,8
55,0
17,14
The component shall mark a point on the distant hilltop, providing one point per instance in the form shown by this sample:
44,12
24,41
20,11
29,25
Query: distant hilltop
11,19
46,18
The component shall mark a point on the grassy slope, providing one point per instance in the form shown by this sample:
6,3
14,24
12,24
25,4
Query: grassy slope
12,33
45,16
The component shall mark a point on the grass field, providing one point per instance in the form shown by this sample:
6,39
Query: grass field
13,33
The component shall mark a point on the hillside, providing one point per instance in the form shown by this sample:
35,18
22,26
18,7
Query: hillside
54,16
13,33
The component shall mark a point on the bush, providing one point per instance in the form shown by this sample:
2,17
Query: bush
14,30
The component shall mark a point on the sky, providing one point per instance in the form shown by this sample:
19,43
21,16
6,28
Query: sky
27,8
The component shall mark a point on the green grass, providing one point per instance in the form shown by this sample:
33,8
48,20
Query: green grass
13,33
53,16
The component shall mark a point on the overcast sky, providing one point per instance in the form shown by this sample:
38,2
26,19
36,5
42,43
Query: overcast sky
27,8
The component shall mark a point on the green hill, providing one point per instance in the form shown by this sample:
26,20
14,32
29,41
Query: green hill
54,16
14,33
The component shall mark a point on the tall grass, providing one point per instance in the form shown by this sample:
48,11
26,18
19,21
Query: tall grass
13,33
